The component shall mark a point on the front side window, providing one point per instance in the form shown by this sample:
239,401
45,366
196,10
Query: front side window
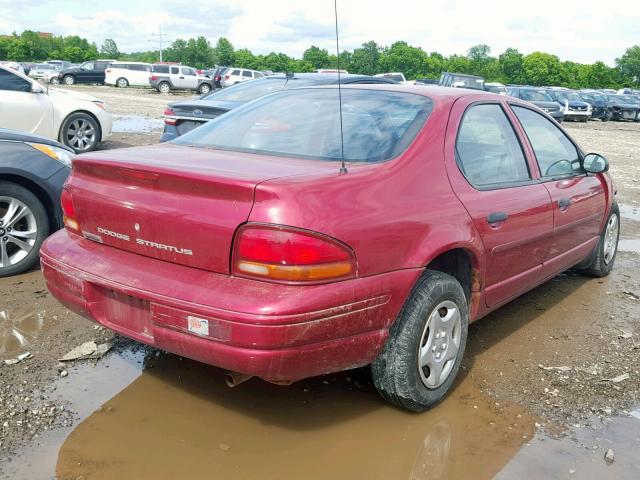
487,148
555,153
13,83
305,123
87,66
189,72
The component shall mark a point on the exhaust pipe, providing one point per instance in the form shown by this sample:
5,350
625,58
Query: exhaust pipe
233,379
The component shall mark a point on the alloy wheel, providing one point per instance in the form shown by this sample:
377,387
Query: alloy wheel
18,231
81,135
439,344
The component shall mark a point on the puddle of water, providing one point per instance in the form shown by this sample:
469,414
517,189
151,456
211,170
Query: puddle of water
179,417
629,212
135,124
18,328
629,245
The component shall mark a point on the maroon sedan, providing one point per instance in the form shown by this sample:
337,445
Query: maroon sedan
243,244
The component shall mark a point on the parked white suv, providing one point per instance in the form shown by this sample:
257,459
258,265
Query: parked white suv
239,75
79,121
165,78
123,74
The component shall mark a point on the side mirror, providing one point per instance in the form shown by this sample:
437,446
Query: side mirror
37,88
595,163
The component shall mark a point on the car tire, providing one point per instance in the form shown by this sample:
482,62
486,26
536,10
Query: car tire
54,81
81,132
30,229
122,82
69,80
164,87
204,89
601,264
401,372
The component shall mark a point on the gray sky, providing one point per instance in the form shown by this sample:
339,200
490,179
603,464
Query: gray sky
578,30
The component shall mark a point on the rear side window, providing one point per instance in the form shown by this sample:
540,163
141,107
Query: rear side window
174,70
555,153
119,65
161,68
246,74
138,68
487,149
13,83
235,72
305,123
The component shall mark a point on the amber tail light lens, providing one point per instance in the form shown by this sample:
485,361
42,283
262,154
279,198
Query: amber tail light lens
69,211
289,255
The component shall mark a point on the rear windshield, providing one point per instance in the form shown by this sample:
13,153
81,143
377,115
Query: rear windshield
247,91
377,125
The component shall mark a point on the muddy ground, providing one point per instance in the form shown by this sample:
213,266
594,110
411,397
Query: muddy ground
140,413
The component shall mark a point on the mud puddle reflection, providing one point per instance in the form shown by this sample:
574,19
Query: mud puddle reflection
135,124
18,328
179,420
629,212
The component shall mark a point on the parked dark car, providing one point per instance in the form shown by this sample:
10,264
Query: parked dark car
426,81
218,75
181,117
599,104
574,107
540,99
263,244
33,170
461,80
624,107
88,72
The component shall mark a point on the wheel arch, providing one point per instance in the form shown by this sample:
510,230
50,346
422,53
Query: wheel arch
462,263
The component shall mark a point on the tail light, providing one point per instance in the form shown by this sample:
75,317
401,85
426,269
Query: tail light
69,211
108,70
226,77
170,113
153,77
289,255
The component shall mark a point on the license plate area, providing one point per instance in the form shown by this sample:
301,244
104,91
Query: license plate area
127,312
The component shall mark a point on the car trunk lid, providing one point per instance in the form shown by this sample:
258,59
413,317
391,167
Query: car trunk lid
174,203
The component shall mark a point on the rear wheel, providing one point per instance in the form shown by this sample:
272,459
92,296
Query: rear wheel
81,132
164,87
422,356
23,227
122,83
69,79
607,248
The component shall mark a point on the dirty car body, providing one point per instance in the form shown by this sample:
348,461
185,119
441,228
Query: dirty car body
243,245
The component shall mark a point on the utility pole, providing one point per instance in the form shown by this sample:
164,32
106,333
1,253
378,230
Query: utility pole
160,36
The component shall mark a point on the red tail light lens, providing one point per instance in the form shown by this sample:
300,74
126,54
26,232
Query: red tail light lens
153,77
69,211
289,255
108,70
169,113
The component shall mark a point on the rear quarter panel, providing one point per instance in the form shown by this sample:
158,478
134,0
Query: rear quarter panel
394,215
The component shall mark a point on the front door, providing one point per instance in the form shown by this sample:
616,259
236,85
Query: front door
23,110
578,199
510,209
190,79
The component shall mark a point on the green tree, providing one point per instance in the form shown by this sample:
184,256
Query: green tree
245,59
629,65
510,63
365,59
224,52
402,57
542,69
318,57
109,49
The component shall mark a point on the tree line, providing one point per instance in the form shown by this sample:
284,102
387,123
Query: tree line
510,66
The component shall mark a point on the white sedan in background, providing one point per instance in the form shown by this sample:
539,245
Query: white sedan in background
79,121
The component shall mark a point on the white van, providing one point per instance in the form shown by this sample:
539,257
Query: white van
123,74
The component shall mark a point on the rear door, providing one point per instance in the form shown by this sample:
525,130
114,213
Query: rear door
492,176
22,110
579,200
177,79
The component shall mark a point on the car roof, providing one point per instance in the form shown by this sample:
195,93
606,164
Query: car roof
332,78
16,136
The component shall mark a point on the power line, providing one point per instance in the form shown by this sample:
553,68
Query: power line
160,36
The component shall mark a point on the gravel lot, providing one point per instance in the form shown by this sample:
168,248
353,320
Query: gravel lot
588,327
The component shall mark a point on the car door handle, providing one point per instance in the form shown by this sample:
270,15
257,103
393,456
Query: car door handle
564,203
496,217
181,78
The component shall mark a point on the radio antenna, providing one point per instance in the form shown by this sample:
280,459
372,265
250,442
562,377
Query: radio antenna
343,167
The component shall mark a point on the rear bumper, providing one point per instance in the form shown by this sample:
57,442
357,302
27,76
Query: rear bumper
273,331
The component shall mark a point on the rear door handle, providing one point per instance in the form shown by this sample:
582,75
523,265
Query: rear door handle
181,78
564,203
496,217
